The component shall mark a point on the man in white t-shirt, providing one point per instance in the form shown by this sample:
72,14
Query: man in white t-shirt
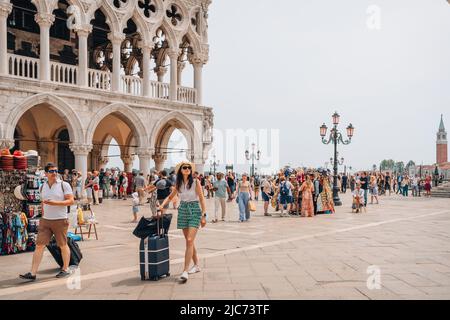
56,196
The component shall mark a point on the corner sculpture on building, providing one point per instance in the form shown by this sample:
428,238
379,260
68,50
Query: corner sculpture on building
75,74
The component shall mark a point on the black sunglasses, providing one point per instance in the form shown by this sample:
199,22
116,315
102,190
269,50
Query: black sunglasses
186,168
52,171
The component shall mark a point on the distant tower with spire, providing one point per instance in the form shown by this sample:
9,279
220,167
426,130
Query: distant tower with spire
441,144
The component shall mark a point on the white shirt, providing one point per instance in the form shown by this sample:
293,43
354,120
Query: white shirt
55,193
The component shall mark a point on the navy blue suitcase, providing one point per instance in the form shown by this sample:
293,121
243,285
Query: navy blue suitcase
154,258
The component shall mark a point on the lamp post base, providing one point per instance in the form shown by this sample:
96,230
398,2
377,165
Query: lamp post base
336,200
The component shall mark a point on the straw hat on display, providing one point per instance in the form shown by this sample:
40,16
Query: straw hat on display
18,193
185,163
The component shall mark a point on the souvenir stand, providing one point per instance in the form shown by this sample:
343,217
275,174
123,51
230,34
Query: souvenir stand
19,201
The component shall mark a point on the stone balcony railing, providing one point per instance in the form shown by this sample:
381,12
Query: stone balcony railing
28,68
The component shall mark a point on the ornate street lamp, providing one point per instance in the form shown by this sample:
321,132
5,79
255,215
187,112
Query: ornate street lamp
253,156
214,164
336,138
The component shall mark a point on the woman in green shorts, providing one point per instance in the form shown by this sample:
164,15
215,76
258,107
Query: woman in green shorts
191,213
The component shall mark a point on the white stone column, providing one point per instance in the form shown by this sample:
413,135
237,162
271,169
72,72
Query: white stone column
181,66
145,155
146,51
44,20
116,41
81,153
5,10
83,62
173,55
198,81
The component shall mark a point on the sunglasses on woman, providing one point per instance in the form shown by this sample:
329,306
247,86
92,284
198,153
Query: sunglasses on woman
52,171
186,168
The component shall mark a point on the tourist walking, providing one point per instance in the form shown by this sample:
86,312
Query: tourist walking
365,186
221,189
191,213
139,183
307,190
95,186
244,196
57,196
373,189
123,186
266,193
427,186
415,186
285,191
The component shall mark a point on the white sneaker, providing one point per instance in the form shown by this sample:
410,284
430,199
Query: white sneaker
184,276
195,269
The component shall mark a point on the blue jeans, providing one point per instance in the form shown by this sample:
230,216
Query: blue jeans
244,213
365,197
405,191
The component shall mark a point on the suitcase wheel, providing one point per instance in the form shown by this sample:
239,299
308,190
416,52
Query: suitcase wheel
167,274
155,278
142,278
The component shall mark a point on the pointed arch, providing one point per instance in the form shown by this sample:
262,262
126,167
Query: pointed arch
168,32
127,114
193,40
61,107
175,120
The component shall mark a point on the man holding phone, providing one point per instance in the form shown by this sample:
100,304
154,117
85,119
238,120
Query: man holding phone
57,196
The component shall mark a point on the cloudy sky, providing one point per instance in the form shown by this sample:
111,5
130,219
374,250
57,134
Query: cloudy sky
288,65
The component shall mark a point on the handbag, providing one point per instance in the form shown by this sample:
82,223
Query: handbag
251,206
96,188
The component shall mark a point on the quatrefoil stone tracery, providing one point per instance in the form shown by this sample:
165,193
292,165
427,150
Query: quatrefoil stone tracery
173,13
147,6
120,4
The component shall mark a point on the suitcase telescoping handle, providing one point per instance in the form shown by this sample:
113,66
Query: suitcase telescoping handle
159,217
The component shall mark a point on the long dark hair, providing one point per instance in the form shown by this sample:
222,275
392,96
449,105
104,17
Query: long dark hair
180,179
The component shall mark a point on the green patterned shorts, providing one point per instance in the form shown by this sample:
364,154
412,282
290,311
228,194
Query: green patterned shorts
189,215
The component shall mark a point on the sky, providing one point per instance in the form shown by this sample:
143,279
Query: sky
279,69
288,65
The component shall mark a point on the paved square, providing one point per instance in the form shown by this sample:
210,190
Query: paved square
406,241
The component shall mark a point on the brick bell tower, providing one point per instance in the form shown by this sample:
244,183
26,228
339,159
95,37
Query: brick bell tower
441,143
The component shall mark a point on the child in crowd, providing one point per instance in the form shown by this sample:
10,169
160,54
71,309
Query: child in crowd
135,202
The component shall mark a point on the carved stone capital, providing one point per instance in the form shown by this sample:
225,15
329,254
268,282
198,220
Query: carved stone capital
128,159
144,152
44,19
84,30
159,157
6,143
116,38
174,53
5,9
81,149
161,71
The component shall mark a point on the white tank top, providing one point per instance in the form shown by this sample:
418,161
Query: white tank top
188,195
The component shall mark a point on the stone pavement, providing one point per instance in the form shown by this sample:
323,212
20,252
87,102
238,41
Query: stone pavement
406,242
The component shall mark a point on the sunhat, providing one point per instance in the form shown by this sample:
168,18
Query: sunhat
18,193
183,163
